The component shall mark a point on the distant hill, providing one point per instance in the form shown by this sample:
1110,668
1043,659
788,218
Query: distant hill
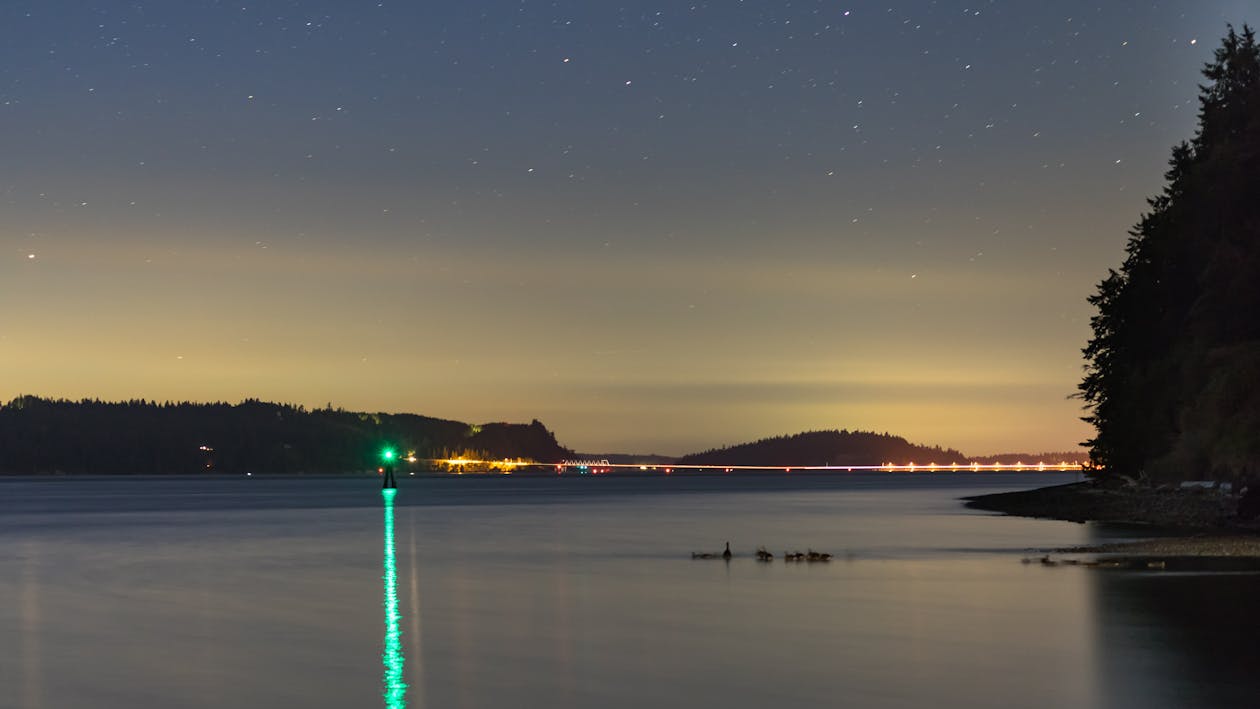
827,448
44,435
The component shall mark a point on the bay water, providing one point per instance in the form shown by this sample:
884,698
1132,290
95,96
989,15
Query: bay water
578,591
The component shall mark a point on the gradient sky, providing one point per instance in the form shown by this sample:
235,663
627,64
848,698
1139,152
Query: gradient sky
653,226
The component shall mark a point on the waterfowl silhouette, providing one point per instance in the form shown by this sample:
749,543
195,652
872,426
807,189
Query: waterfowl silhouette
763,555
713,555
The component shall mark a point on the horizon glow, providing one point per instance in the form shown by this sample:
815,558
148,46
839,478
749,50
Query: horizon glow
655,231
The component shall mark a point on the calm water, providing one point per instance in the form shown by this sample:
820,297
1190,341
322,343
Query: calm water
580,592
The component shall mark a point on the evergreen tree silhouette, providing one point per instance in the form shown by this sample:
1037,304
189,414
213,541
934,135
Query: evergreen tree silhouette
1172,375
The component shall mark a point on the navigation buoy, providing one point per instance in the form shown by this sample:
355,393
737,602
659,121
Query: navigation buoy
387,456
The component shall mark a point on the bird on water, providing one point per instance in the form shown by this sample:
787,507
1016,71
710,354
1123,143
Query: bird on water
713,555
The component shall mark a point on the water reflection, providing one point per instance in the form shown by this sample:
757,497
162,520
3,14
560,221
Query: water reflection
30,615
1175,639
395,690
569,599
417,654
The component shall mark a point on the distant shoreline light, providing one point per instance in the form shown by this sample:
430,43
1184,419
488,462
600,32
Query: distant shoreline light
599,467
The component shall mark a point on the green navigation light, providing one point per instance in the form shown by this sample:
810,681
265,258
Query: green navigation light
388,454
395,689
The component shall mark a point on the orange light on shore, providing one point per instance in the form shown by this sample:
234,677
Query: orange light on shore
506,466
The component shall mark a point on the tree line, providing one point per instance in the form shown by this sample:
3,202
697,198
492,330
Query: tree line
39,435
1172,375
834,447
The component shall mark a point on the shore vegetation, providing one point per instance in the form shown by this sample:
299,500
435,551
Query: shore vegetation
1172,374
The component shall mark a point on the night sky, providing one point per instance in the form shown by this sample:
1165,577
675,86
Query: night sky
656,227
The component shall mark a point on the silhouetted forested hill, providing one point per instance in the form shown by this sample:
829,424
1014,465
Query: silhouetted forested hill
1172,379
826,448
42,435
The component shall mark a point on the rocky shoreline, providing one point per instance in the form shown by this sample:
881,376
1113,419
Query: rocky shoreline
1187,523
1191,509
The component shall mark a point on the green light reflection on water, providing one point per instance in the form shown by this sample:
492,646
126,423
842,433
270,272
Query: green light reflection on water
395,689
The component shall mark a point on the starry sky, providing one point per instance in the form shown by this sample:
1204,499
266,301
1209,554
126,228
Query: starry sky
656,227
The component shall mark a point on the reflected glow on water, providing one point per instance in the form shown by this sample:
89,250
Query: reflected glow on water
31,621
395,690
577,593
